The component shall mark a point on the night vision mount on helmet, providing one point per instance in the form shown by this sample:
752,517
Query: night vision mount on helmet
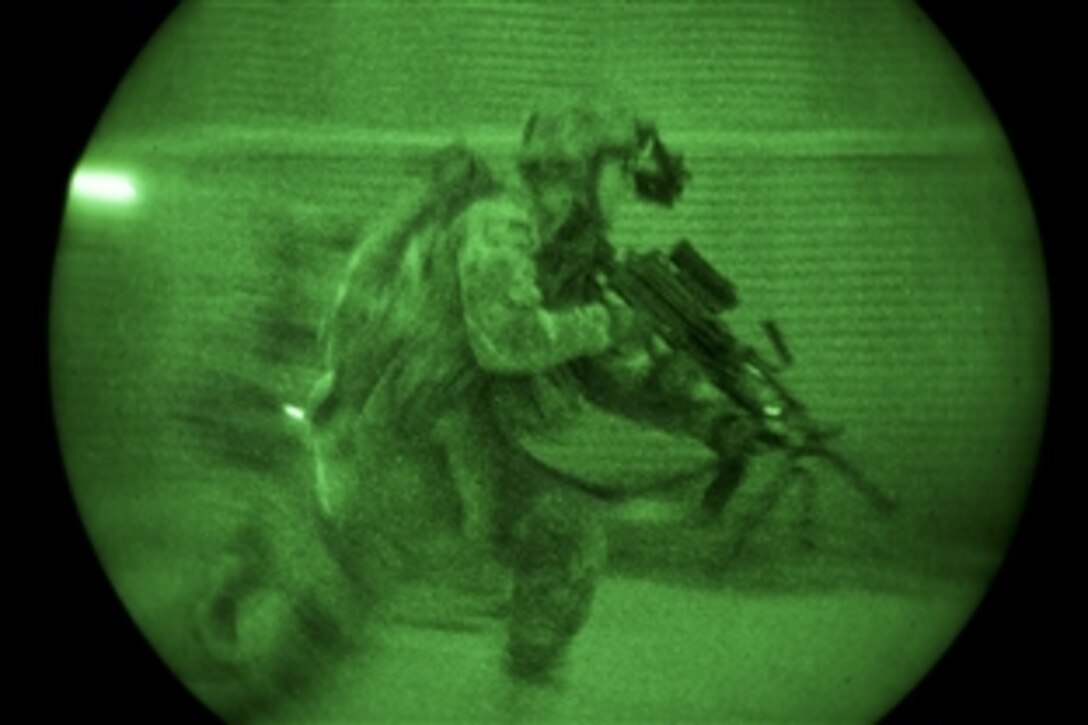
659,175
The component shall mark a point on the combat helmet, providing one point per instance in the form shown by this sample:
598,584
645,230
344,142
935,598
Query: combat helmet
565,144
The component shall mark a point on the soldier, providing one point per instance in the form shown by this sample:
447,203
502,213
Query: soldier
493,324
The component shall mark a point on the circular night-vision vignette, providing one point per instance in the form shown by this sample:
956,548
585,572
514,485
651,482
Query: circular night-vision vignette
122,635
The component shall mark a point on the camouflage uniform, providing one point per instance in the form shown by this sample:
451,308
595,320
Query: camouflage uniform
530,317
493,332
444,395
541,334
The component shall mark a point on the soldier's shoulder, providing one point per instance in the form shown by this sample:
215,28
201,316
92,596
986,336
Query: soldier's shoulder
500,208
500,219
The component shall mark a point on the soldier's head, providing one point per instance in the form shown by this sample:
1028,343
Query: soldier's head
581,161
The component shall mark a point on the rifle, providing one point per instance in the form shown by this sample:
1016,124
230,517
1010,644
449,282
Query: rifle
683,296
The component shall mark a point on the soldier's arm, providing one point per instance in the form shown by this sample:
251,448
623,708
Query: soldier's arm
509,329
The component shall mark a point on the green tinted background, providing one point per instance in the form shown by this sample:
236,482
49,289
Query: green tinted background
848,176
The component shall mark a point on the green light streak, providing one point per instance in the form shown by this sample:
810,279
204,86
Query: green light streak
103,186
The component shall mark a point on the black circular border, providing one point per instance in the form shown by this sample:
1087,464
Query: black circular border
84,655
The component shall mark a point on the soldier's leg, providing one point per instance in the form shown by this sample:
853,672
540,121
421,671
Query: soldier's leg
557,555
468,446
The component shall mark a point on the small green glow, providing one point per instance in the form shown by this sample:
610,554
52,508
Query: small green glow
103,186
293,411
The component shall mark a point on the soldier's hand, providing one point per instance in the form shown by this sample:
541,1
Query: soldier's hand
626,327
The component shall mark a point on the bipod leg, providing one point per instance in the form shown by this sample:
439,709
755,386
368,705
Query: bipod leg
720,491
851,476
807,482
747,521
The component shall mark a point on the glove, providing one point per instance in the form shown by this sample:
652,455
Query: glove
627,329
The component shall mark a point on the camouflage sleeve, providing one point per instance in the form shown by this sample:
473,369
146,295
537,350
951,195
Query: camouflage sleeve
509,329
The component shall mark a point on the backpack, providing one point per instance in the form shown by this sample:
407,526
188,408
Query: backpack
373,310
